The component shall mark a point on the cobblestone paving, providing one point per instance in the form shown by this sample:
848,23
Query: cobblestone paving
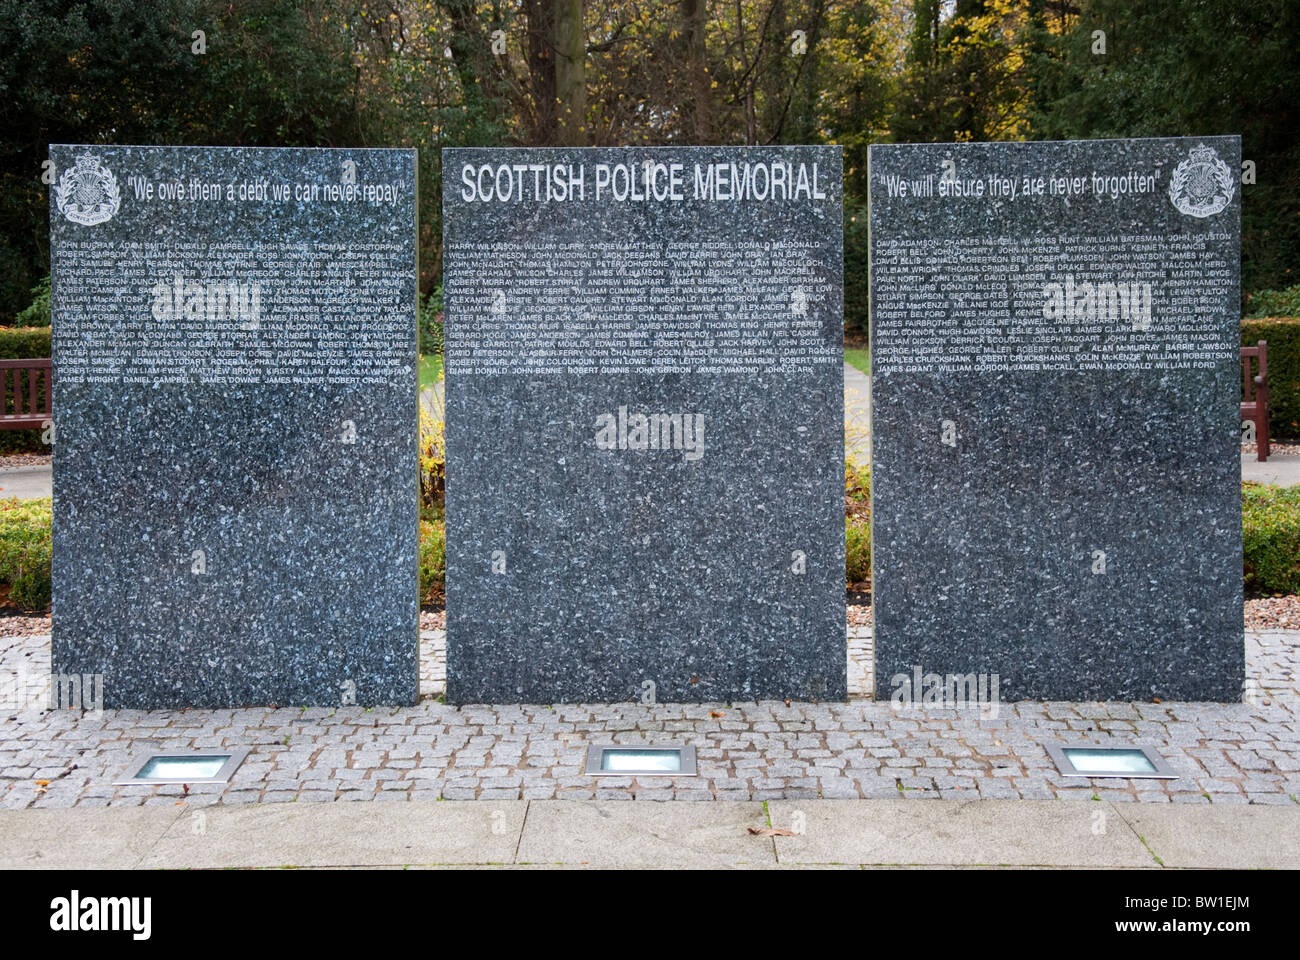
1227,753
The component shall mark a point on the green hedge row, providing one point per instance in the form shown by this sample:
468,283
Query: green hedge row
1283,337
1270,535
429,323
433,557
25,553
857,522
1271,303
24,343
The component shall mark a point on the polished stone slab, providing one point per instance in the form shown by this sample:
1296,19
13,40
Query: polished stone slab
234,469
644,424
1055,472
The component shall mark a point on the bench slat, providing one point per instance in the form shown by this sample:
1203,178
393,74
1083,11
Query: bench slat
19,412
1254,395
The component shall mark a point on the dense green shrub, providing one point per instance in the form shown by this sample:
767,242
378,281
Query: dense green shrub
22,441
1270,534
857,547
430,322
1283,337
38,313
25,552
24,343
1274,303
433,557
857,521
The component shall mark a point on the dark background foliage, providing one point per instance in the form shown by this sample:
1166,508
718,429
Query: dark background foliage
458,72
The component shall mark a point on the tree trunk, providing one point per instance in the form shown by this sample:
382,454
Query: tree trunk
541,71
699,110
570,59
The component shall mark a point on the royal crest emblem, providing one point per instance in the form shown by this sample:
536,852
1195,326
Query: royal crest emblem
1201,185
88,193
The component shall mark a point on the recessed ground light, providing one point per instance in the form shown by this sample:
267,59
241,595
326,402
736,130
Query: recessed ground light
207,767
1094,760
640,761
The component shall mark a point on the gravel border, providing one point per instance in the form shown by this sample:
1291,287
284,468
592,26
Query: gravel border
1286,449
25,460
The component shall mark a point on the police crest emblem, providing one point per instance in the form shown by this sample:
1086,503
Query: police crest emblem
1201,185
88,193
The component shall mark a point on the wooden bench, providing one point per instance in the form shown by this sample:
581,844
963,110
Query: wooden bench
1254,395
25,394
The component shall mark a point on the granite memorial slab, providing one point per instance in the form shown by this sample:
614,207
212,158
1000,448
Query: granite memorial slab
644,424
235,485
1055,459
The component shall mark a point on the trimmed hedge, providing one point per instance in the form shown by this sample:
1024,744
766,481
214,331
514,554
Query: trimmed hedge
25,552
1269,303
24,343
433,557
1270,534
1283,337
857,294
857,522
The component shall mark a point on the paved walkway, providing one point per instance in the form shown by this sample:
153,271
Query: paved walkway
857,413
828,833
1283,470
1241,753
25,483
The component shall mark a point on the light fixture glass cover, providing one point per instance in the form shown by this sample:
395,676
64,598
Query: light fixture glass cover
661,761
1099,761
640,760
1106,761
182,768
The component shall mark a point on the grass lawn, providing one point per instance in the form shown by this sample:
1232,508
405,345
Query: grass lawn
859,358
430,369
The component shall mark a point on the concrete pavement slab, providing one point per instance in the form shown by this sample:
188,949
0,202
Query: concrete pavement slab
342,834
1280,469
1242,837
857,413
82,839
645,834
1014,832
26,483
